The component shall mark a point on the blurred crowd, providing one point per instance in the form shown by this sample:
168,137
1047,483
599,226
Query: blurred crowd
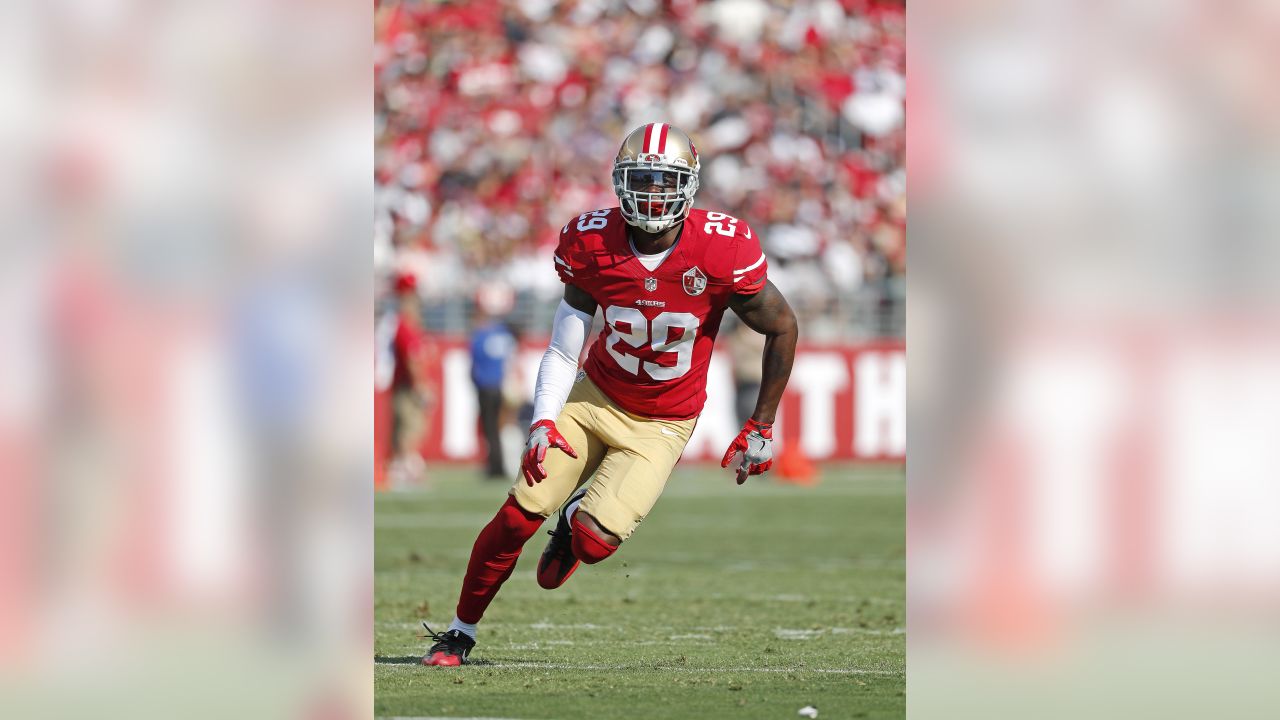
497,122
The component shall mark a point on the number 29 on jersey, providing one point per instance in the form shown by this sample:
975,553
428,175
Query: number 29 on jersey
629,326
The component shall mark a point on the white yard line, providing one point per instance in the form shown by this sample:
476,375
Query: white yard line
783,633
616,668
571,666
573,626
439,718
810,633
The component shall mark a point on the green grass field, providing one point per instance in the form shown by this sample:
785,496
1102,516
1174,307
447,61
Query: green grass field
728,602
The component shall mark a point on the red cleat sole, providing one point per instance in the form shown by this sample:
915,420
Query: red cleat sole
550,579
442,660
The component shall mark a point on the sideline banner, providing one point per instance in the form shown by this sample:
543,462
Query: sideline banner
844,402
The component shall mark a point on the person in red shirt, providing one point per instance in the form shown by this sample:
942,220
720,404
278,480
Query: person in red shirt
412,396
605,439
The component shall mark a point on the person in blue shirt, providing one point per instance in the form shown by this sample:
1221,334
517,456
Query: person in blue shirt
492,347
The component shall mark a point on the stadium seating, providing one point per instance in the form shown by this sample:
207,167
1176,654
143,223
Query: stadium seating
497,123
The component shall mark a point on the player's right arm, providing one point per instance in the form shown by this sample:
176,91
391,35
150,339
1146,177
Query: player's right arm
559,363
555,379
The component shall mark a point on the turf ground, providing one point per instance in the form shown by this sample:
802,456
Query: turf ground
728,602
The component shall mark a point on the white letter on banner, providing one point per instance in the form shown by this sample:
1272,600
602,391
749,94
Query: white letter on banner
460,406
880,404
818,378
1213,512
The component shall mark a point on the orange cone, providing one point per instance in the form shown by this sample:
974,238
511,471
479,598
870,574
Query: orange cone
795,467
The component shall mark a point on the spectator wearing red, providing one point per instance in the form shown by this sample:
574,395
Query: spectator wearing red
412,396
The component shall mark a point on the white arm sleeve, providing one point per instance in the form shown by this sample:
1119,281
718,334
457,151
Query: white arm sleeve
560,362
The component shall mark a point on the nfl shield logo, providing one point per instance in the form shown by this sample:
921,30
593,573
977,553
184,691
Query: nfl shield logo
694,281
651,284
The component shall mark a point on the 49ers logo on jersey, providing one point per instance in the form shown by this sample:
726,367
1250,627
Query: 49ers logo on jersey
694,281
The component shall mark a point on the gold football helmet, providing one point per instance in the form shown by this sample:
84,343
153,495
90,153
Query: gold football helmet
656,176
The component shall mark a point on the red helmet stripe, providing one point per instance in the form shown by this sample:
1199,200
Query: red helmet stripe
648,135
662,139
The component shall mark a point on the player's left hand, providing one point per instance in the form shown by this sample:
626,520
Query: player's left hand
755,442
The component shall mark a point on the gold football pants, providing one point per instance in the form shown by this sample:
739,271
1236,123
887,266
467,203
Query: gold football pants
631,457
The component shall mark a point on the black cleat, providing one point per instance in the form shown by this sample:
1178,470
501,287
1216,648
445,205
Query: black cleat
558,561
451,649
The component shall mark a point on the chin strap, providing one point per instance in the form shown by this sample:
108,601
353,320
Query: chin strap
639,224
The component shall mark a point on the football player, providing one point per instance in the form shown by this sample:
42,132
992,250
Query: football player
663,273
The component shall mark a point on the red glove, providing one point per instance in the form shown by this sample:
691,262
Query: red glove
542,435
755,442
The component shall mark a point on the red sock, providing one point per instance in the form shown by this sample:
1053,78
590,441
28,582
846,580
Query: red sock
494,556
587,546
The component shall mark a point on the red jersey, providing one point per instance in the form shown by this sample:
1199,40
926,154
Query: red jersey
405,347
652,357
